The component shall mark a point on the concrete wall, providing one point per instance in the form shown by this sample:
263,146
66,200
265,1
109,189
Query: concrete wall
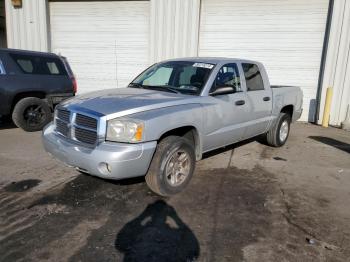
27,26
337,67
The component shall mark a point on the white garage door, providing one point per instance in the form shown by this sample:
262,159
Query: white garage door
106,42
287,36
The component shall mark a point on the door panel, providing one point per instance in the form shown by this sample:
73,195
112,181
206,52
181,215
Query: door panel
226,114
259,99
260,112
225,120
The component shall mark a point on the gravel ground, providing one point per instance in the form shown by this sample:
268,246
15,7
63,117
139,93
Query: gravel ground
247,202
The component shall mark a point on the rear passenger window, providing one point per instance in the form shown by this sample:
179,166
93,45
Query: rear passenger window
253,77
38,65
53,68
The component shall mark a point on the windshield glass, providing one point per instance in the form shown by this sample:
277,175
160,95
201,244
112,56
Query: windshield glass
183,77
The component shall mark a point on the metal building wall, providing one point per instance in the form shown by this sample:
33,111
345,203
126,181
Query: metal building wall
337,67
174,29
27,26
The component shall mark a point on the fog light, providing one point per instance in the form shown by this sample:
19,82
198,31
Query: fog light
104,168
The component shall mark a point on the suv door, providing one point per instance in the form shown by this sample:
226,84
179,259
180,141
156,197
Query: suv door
226,114
259,99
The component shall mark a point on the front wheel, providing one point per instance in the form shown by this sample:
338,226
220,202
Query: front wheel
279,132
31,114
172,166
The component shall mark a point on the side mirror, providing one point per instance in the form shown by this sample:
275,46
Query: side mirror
223,90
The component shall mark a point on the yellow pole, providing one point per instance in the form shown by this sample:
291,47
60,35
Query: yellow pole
327,107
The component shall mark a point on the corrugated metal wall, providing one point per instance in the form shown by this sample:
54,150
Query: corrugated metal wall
337,68
174,29
27,26
286,36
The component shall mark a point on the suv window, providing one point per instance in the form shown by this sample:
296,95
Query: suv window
253,77
228,75
2,68
25,65
30,64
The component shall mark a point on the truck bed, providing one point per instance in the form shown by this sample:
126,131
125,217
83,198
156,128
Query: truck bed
284,95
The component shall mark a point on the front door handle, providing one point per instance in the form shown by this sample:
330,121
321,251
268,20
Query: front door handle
240,102
266,98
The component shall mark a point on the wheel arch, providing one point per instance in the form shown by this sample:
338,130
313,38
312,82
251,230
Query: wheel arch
288,109
189,132
21,95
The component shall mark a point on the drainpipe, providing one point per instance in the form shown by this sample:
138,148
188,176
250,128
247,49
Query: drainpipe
323,59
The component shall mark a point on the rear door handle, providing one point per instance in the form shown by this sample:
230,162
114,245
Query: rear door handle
240,102
266,98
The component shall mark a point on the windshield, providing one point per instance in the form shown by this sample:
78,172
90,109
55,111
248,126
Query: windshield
183,77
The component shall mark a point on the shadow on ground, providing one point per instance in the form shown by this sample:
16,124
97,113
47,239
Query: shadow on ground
221,212
332,142
152,237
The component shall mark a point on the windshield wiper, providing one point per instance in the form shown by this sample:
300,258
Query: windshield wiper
172,89
136,85
163,88
160,88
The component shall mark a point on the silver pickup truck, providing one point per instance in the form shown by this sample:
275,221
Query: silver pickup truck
171,114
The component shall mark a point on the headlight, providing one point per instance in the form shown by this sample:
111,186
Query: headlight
124,130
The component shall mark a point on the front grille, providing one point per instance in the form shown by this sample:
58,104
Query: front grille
85,136
62,127
64,115
83,128
86,121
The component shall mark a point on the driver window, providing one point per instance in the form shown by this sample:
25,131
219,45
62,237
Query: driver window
228,76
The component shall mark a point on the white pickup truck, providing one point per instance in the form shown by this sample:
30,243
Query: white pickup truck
171,114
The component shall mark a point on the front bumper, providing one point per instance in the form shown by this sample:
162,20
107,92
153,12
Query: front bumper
124,160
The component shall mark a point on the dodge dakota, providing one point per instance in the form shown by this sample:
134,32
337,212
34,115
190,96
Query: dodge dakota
167,117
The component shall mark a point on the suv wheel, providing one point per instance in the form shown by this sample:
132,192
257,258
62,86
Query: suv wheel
172,166
31,114
279,132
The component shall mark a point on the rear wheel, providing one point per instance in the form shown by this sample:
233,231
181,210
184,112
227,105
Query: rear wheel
31,114
279,132
172,166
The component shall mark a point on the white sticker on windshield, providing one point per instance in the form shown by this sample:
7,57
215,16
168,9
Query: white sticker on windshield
204,65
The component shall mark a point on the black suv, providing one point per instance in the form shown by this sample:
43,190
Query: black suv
31,84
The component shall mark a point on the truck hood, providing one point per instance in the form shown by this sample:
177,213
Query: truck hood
125,101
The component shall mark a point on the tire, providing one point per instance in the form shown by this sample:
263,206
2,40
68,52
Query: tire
31,114
274,137
164,160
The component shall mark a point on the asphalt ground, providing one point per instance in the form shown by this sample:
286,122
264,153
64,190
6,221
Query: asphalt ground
247,202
